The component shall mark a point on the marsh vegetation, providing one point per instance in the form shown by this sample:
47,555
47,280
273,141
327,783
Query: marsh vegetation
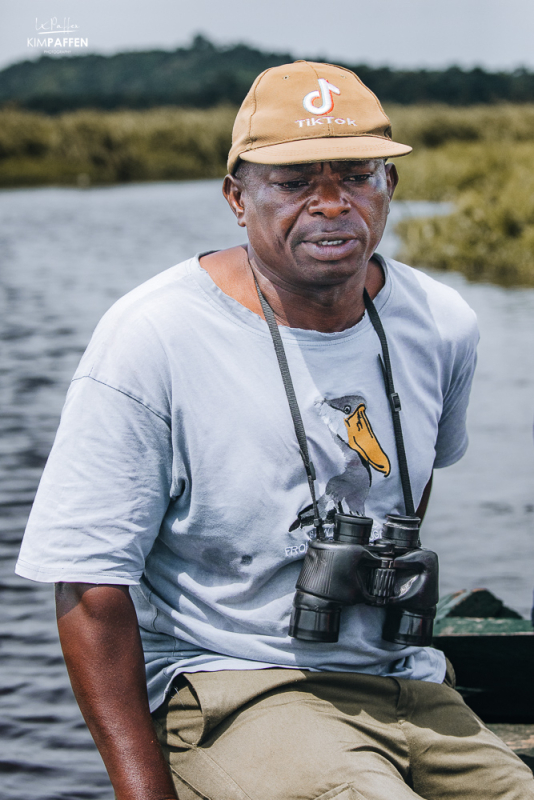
88,147
482,159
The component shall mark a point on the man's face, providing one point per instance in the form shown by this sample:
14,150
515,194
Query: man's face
313,223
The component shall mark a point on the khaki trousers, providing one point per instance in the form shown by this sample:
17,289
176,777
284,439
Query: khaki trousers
284,734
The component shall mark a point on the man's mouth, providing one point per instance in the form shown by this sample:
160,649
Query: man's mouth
331,246
329,237
328,243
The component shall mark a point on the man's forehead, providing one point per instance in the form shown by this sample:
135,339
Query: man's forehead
319,166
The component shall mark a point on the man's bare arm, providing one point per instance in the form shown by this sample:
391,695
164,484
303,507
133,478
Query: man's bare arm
102,648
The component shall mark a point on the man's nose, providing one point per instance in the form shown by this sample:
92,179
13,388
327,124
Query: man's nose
330,201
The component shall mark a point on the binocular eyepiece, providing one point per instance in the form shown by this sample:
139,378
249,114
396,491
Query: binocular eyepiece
393,572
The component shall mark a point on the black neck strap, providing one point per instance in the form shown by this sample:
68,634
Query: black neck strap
293,405
394,402
393,398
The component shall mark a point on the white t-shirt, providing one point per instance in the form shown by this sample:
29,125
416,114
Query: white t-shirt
176,469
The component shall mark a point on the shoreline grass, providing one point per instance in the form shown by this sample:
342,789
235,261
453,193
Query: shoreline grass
93,147
490,234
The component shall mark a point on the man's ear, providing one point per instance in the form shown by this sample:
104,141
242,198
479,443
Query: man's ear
233,190
392,177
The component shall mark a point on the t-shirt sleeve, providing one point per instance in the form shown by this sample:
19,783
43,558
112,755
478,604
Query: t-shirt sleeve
452,440
104,492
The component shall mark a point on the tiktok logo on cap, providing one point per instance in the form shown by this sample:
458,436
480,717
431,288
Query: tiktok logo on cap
326,96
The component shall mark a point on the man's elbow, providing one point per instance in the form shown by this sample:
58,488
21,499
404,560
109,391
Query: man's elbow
95,597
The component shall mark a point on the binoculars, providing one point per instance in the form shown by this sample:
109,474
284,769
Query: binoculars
393,572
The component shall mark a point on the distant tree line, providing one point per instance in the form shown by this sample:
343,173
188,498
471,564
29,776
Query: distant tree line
204,75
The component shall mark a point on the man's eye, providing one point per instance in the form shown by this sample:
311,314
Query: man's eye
292,184
358,178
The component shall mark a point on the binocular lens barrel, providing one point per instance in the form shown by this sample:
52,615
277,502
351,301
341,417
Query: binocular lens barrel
403,531
406,627
352,529
314,619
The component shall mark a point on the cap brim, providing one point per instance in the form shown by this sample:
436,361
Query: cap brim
328,148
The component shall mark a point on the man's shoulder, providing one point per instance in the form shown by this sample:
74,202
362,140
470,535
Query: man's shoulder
154,295
133,330
424,296
165,300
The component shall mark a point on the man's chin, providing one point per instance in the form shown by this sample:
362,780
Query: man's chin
332,271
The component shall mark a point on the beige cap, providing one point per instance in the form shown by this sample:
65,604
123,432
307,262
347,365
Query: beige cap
304,112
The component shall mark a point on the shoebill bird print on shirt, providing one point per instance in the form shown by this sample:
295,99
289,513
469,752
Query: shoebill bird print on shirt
349,424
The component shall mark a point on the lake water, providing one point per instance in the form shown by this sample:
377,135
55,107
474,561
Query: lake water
65,256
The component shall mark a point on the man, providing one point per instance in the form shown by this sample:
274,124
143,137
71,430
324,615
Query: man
176,481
